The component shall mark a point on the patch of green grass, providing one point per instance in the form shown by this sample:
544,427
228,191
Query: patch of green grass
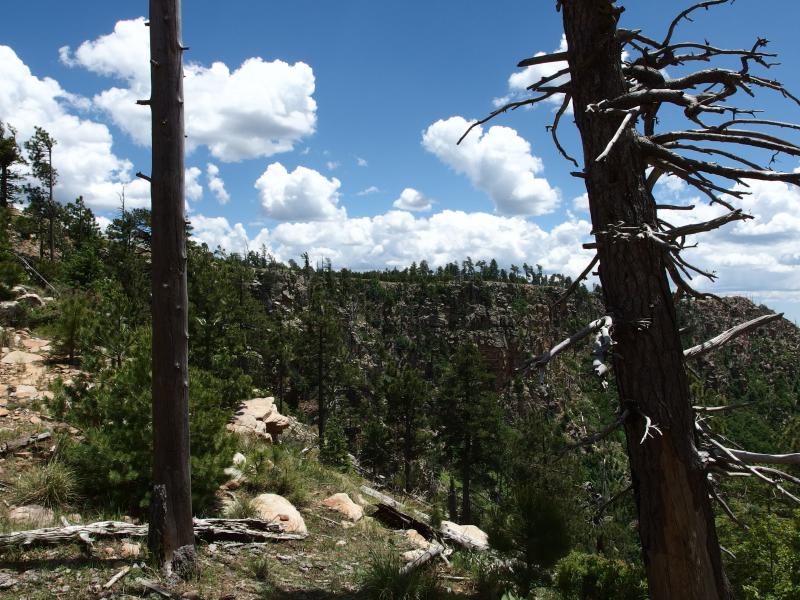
241,508
52,485
259,567
382,580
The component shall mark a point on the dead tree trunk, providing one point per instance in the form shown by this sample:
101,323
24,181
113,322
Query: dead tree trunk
676,523
173,538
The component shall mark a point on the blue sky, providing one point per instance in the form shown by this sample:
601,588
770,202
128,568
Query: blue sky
335,148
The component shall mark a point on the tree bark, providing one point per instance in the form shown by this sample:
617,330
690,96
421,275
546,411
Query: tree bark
51,207
676,524
171,466
4,186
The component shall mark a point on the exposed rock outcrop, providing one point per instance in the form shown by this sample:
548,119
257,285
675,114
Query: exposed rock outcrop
342,504
259,417
272,507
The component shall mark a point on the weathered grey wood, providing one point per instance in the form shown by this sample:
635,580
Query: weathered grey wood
459,538
399,519
117,576
432,552
389,501
751,458
171,464
242,530
728,335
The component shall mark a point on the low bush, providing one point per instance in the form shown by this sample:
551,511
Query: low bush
52,485
113,460
581,576
382,580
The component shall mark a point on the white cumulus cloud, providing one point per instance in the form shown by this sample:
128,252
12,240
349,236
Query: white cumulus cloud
83,154
411,199
216,184
519,81
259,109
759,256
302,195
194,191
498,162
398,238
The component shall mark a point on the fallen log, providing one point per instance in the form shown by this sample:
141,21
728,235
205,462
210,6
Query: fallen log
24,442
397,519
240,530
465,541
389,501
432,552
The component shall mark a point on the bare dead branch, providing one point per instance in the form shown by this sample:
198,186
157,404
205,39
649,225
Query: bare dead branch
513,106
554,129
716,409
674,207
772,459
543,59
685,15
726,509
717,151
627,121
574,285
730,453
542,360
600,435
689,165
613,499
547,79
730,136
726,336
693,228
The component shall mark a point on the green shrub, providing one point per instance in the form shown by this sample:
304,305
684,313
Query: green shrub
581,576
52,485
241,508
532,528
334,451
767,559
382,580
72,323
278,470
113,460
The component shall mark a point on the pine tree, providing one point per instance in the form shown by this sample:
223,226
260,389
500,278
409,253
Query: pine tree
470,420
10,155
40,155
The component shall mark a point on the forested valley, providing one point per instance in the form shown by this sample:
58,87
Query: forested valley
252,420
419,381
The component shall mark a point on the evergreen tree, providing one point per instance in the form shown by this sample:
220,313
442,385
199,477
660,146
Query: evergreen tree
406,400
10,155
470,420
40,154
320,361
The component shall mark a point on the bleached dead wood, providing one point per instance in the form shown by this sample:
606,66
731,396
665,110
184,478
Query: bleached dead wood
389,501
462,540
728,335
250,530
117,576
542,360
432,552
772,459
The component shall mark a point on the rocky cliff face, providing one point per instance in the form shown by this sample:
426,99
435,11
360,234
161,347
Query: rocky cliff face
511,322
